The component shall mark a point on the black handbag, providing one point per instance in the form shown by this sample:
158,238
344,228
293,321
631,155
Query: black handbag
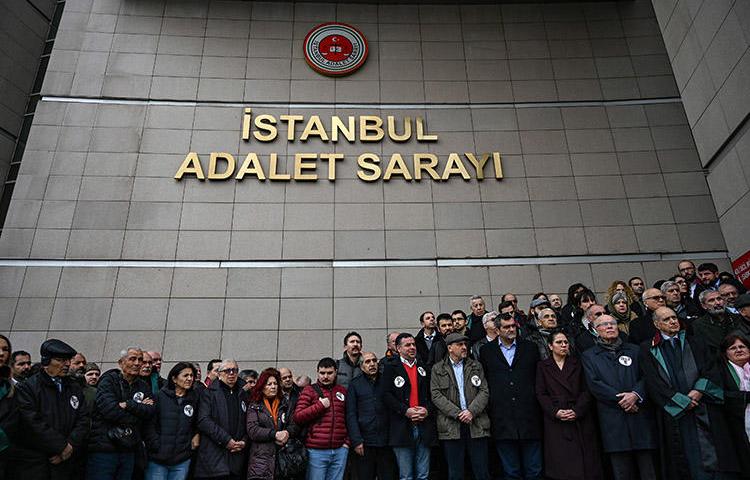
123,437
291,459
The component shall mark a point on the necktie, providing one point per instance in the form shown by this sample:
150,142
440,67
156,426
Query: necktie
746,377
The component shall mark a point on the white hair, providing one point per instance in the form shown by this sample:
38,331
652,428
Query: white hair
124,351
226,362
704,294
489,317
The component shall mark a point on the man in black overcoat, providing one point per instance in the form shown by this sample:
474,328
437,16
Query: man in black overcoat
405,387
516,419
54,419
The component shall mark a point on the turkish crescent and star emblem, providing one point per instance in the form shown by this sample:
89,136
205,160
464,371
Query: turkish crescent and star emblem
335,49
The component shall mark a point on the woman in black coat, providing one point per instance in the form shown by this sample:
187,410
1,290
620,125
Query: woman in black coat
269,425
171,435
571,442
735,376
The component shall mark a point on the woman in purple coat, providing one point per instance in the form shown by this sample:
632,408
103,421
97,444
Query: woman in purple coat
269,425
571,444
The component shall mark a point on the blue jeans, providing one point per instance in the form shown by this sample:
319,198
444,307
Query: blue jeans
327,464
110,466
521,459
157,471
413,462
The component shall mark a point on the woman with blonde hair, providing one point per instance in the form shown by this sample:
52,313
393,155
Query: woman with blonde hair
623,287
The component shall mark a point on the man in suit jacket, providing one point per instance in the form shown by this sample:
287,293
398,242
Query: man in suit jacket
426,336
510,366
406,394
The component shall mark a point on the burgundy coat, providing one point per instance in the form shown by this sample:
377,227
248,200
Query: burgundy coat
571,449
326,426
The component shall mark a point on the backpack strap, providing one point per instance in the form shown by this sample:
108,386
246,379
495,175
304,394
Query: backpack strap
318,390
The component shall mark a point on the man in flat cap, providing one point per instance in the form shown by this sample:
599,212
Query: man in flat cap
460,395
54,421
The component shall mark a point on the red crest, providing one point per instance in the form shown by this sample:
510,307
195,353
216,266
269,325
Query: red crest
335,49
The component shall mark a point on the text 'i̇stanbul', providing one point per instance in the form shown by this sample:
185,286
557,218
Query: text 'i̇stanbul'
367,129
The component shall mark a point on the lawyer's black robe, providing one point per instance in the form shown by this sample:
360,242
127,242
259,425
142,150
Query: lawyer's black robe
736,401
702,430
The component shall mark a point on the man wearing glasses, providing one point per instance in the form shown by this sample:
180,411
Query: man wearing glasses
587,335
687,271
642,328
616,383
695,439
221,423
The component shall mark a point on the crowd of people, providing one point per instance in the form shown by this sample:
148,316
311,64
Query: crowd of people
647,383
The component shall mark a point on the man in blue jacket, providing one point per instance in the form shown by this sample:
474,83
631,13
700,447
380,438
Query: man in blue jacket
616,381
123,402
367,422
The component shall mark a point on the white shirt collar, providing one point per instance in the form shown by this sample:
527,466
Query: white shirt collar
406,362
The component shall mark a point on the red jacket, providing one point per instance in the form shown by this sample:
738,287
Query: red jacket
326,427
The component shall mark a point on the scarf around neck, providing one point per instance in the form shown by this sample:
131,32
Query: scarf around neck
612,347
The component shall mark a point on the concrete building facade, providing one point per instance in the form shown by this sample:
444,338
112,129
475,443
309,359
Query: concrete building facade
602,178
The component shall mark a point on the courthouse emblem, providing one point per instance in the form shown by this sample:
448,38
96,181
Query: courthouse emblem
335,49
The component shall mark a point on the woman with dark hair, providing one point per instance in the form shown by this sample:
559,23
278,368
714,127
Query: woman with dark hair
570,436
269,425
171,435
567,314
582,302
735,376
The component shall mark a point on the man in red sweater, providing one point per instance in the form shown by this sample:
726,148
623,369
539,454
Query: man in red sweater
322,408
406,395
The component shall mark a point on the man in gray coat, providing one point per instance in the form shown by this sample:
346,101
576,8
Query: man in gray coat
460,394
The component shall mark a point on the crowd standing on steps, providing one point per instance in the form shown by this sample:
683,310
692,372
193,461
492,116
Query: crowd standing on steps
644,382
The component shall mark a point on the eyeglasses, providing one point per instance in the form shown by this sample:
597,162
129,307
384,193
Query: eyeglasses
681,282
598,314
230,371
657,297
506,316
606,324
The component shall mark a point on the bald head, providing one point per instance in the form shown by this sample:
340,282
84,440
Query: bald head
666,321
156,358
653,299
606,326
287,379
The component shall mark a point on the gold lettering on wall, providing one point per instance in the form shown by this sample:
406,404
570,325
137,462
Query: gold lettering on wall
303,167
